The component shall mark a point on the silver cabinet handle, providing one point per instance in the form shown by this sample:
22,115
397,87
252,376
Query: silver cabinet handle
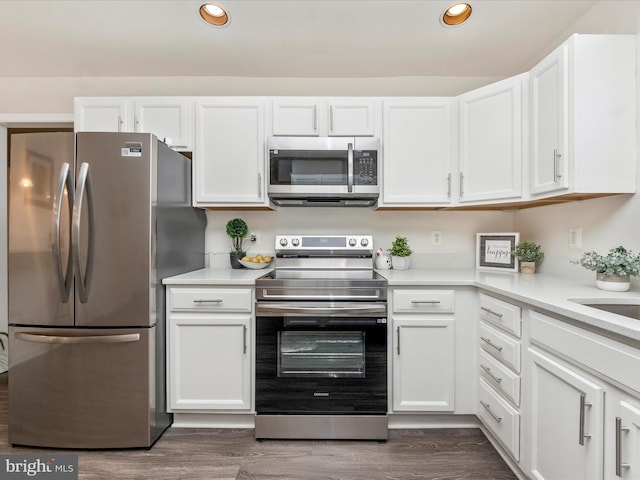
64,277
487,407
431,302
37,338
119,123
136,122
583,405
488,310
244,339
206,300
84,187
619,430
331,118
491,344
449,186
315,118
398,335
350,167
556,162
488,371
259,185
461,184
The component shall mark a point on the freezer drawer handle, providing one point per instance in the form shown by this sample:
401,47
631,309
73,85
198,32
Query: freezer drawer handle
85,186
64,278
38,338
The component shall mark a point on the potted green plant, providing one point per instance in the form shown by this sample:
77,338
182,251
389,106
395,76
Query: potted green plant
528,253
400,253
237,229
613,270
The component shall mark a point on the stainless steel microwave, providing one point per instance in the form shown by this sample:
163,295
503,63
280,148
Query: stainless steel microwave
323,171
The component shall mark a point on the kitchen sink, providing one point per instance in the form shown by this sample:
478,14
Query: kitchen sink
625,309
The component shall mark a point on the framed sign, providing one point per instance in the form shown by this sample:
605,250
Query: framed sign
493,251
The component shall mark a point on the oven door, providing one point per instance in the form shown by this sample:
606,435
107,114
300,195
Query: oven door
320,359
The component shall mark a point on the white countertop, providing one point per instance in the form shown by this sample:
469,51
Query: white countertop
544,292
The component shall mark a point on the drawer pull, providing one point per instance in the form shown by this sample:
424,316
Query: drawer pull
487,407
619,430
583,405
488,310
202,300
431,302
488,370
491,344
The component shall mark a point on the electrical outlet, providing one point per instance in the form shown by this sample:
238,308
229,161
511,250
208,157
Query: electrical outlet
253,237
575,237
436,237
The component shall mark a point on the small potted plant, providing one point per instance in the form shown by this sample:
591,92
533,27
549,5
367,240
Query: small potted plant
237,229
400,253
528,253
613,270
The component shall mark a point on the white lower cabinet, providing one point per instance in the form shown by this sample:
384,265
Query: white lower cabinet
566,421
423,351
209,349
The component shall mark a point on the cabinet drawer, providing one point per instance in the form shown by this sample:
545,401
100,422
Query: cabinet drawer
500,417
407,301
500,377
502,314
210,299
500,346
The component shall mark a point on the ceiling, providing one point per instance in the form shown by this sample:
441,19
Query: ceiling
277,38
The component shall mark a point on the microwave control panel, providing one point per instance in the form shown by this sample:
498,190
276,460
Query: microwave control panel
365,168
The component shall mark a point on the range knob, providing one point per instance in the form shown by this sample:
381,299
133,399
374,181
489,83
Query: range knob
353,242
364,242
295,242
283,242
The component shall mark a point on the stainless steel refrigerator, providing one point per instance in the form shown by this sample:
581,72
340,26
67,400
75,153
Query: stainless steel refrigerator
96,220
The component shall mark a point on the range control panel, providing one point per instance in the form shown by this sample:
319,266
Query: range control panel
324,242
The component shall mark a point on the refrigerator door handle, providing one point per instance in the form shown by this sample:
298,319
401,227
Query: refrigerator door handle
83,188
38,338
64,278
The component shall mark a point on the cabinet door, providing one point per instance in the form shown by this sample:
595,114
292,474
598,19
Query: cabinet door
209,362
565,421
417,152
296,116
166,118
230,152
550,123
351,118
622,455
101,114
423,364
491,141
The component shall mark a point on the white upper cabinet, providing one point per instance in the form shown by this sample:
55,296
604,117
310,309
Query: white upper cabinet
300,116
583,117
229,159
169,118
417,160
491,148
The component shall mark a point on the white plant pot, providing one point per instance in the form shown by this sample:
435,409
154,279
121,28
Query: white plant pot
613,283
400,263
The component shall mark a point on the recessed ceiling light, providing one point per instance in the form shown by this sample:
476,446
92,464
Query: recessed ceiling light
214,14
456,14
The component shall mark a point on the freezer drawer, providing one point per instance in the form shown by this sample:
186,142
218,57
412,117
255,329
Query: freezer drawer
82,388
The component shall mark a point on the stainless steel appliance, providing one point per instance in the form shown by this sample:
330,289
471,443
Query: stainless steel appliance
321,341
96,220
323,171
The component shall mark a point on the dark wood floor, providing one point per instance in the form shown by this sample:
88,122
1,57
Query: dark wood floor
212,454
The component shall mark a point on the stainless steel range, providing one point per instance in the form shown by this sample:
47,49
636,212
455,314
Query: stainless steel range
321,343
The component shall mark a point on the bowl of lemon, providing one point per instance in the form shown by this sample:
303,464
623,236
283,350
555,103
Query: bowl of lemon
256,262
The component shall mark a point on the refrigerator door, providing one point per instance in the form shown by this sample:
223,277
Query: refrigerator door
79,388
41,187
112,229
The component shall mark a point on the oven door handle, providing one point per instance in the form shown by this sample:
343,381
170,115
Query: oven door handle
279,309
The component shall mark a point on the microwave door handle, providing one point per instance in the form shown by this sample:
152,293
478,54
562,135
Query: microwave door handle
350,167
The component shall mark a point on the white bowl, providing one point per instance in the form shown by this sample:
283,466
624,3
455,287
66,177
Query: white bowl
255,266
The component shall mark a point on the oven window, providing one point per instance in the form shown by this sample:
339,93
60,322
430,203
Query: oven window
321,354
